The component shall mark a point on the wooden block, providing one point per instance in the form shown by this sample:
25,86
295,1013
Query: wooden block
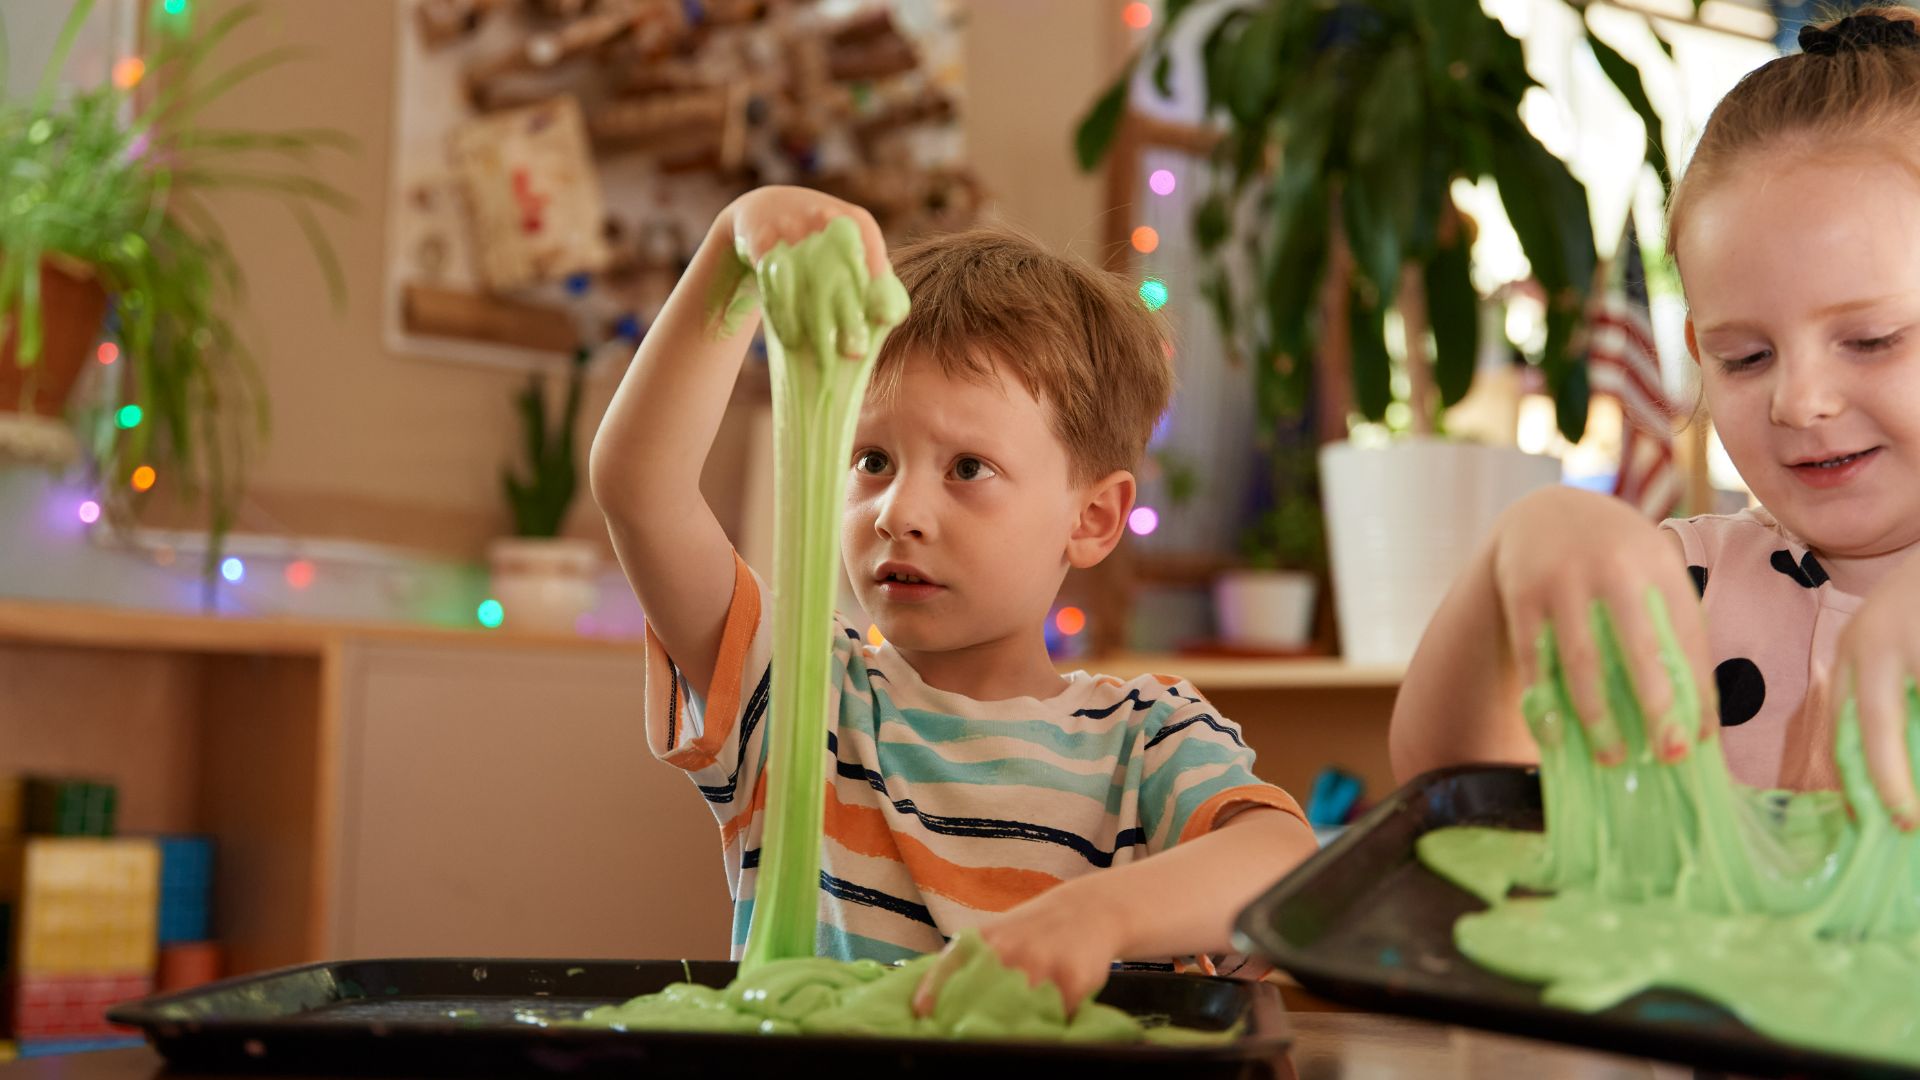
437,312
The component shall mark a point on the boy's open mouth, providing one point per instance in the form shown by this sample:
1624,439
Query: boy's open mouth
904,581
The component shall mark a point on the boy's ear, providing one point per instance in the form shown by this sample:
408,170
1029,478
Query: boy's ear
1693,342
1102,521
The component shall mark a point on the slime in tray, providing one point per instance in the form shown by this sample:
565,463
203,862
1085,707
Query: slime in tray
826,319
1799,917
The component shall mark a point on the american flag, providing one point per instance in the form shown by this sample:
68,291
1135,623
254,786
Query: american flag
1623,361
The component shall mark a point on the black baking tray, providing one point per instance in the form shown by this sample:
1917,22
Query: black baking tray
457,1016
1363,922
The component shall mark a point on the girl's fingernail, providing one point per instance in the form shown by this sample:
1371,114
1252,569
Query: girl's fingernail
1615,754
1907,818
1674,744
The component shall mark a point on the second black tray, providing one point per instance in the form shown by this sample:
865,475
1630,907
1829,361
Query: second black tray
1363,922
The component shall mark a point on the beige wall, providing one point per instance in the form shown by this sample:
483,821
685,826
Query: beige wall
380,446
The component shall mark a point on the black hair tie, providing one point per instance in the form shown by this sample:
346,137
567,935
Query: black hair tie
1859,32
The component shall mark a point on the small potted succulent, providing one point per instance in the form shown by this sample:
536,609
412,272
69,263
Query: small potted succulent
543,581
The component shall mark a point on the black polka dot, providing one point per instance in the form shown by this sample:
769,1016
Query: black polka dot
1807,573
1699,576
1742,690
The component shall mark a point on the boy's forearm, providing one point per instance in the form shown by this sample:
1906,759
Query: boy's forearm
1183,901
662,420
1460,699
649,452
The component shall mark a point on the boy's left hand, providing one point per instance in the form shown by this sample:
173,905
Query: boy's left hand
1069,936
1879,652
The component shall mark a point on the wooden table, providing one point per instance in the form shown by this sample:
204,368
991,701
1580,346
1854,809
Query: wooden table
1327,1046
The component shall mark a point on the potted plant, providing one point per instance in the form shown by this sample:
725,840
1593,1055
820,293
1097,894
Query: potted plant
1344,124
1268,602
543,581
102,206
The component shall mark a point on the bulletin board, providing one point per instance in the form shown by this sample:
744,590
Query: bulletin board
557,162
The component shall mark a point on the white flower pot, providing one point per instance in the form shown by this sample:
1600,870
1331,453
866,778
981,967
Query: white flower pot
1402,522
544,585
1264,609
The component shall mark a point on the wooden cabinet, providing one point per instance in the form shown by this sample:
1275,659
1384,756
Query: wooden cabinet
374,790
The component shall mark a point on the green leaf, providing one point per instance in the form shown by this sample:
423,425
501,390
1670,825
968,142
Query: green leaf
1210,222
1163,75
1549,211
1255,67
1217,56
1626,78
1372,369
1381,201
1453,311
1571,390
1102,122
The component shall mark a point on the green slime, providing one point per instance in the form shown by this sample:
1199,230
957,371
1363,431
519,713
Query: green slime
827,317
826,320
1798,912
982,999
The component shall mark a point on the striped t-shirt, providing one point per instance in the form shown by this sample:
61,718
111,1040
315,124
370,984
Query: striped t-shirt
942,810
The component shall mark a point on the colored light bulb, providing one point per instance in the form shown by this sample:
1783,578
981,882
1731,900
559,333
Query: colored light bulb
1143,520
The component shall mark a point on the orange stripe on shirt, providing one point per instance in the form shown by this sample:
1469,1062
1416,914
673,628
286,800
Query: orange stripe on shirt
863,830
738,822
1208,814
723,694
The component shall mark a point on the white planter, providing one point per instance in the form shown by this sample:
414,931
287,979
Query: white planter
1264,609
544,585
1402,522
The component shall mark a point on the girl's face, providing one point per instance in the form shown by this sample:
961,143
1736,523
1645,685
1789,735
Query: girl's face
1803,286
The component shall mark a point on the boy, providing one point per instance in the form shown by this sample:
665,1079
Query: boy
972,784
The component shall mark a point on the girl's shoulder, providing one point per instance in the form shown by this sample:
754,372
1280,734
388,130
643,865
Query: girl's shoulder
1708,538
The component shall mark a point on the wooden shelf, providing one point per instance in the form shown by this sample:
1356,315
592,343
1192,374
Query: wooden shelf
129,628
1227,673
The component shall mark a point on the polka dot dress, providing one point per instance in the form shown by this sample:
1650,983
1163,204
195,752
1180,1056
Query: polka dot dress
1773,624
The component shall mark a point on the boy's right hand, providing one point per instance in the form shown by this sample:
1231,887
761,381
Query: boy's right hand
776,214
1557,551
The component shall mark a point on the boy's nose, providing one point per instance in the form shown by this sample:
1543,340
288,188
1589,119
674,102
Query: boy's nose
902,514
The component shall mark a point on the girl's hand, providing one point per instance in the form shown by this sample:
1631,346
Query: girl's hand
833,315
1559,550
1068,936
1879,653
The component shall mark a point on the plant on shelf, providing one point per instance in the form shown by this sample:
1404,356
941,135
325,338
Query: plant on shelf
544,581
540,494
103,197
1343,125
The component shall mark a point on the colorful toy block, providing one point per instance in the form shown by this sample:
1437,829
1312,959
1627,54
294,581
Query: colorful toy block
186,888
88,906
63,807
72,1006
183,967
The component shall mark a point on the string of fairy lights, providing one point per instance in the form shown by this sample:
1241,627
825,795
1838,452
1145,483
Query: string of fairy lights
300,574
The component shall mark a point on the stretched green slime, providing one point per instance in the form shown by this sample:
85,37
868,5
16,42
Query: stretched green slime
827,317
1798,912
826,320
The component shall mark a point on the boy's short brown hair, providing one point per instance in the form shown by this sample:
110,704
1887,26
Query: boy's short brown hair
1081,341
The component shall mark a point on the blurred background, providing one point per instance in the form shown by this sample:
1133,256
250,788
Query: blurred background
311,311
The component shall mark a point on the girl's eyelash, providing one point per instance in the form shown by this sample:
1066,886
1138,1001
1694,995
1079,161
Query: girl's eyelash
1742,363
1885,341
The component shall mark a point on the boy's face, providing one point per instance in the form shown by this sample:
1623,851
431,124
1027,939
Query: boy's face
966,487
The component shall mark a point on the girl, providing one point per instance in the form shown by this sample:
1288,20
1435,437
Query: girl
1796,230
